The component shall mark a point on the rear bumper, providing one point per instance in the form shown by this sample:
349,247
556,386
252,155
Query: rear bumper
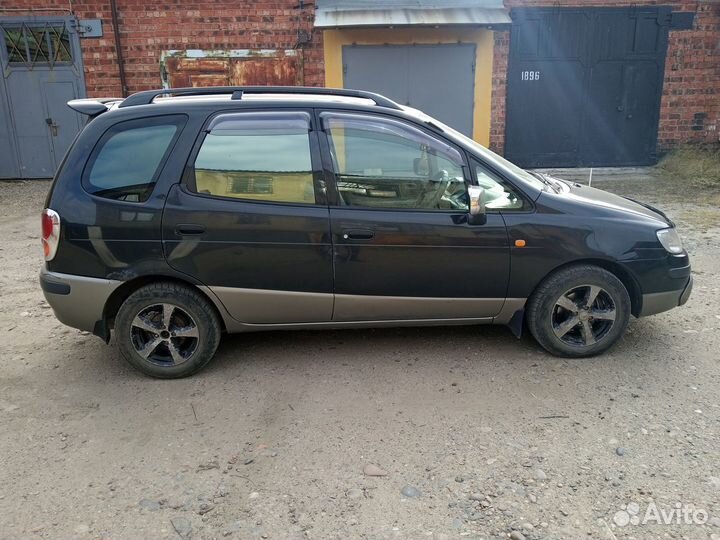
663,301
77,301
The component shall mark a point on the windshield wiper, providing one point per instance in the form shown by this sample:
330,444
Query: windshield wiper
545,180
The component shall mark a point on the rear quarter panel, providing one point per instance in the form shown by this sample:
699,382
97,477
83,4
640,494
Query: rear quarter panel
112,239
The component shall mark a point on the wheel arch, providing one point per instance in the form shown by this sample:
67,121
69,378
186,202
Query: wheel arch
119,295
624,275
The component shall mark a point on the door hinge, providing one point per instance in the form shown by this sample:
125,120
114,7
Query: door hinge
472,67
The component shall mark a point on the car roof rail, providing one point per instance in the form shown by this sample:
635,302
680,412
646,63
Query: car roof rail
148,96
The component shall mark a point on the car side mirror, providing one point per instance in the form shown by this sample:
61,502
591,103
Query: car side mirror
477,215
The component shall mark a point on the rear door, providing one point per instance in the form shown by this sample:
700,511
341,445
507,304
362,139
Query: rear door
403,247
250,219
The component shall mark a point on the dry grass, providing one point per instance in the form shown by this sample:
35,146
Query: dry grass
698,165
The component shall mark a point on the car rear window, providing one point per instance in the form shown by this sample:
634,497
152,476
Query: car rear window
127,161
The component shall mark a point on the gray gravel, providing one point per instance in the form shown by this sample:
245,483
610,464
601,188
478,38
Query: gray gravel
92,450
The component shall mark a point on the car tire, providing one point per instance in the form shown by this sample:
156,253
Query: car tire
167,330
562,322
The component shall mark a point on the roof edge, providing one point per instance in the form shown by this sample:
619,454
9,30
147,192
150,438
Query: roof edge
363,18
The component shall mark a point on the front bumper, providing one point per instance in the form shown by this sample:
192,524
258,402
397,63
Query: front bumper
77,301
663,301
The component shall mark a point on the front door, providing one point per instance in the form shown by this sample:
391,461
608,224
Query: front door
403,249
250,220
41,71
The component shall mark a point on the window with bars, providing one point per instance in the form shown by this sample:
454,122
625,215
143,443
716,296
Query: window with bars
259,185
37,44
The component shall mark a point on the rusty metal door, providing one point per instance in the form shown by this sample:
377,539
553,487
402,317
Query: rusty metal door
41,71
190,68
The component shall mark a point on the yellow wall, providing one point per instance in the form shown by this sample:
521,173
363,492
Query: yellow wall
481,38
294,187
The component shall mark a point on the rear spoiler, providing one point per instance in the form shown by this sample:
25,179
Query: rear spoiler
93,106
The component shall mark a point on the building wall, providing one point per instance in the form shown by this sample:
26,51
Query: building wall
690,106
149,27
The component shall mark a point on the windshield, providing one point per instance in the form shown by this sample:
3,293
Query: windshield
481,150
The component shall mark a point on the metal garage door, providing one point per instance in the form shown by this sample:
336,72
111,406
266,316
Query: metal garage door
438,79
584,86
41,71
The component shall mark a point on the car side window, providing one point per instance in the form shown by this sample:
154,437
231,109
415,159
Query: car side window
260,156
497,194
387,163
126,163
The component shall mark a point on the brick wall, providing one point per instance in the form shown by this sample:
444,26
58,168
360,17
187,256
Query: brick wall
690,106
501,52
148,27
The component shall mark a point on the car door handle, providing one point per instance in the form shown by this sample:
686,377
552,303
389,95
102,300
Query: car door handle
189,229
358,234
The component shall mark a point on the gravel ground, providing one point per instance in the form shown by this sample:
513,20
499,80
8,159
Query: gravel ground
476,434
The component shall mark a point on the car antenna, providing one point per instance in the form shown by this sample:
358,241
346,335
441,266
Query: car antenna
590,178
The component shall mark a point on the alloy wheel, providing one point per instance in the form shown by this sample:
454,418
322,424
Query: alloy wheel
164,334
583,316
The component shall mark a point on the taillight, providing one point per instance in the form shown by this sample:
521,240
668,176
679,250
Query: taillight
50,232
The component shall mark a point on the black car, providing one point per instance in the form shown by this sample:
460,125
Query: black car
181,214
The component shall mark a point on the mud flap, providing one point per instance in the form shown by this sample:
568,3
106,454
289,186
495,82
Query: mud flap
102,331
516,323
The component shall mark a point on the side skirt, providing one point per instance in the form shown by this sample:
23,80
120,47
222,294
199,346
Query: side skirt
511,314
248,327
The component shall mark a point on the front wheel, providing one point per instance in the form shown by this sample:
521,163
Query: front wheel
579,311
167,330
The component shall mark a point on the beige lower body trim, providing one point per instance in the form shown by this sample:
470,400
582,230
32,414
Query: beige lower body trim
83,306
256,308
351,307
245,327
263,306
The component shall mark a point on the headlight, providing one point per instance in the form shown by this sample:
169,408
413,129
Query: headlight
670,240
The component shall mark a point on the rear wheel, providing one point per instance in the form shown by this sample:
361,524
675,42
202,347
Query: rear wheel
579,311
167,330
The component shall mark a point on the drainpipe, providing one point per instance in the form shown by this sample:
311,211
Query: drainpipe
118,49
